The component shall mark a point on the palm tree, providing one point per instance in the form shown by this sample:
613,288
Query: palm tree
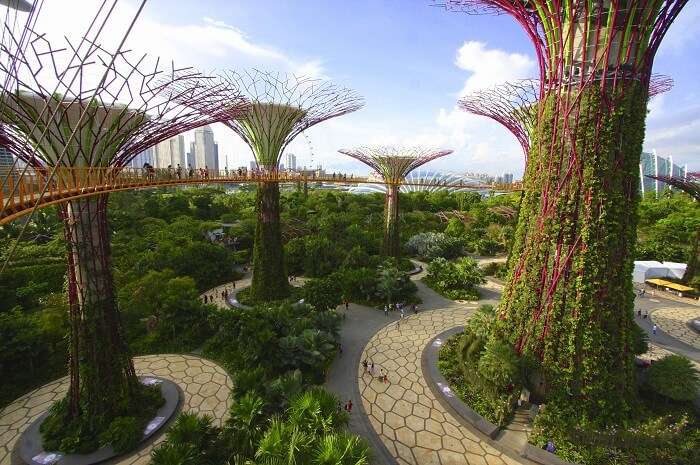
341,449
245,426
284,444
316,411
389,280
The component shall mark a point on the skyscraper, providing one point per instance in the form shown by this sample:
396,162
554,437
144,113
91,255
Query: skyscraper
144,157
291,162
170,152
204,148
191,161
216,157
651,164
6,160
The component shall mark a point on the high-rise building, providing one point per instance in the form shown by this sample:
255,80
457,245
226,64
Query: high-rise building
6,161
204,148
191,160
253,165
216,157
507,178
142,158
651,164
291,162
170,152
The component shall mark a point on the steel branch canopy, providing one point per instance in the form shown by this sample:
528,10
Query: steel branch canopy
394,163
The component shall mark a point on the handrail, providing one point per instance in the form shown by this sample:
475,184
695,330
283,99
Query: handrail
74,182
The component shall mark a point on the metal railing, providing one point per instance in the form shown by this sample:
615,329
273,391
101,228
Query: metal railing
20,194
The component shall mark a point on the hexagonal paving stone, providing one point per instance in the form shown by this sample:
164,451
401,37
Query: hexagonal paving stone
416,428
210,394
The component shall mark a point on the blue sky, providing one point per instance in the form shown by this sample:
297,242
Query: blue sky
408,59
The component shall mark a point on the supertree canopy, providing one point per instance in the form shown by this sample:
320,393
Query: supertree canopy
280,107
569,298
514,105
95,113
393,164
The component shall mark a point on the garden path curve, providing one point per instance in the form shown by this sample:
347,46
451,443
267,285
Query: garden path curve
205,386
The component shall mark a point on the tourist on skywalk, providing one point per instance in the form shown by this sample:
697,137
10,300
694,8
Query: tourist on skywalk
206,171
190,171
170,171
178,170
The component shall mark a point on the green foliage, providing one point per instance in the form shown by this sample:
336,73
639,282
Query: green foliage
649,438
674,377
455,280
83,435
499,364
431,245
323,293
123,434
459,363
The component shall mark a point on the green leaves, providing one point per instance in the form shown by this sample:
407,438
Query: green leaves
674,377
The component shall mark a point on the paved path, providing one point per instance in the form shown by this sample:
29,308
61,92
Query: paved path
402,419
205,387
674,321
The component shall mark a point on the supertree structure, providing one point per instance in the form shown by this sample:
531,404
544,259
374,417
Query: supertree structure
112,111
569,298
690,184
393,164
281,107
514,105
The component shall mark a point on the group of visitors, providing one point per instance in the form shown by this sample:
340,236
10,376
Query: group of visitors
224,293
369,368
398,307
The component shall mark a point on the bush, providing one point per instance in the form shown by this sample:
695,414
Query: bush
123,434
499,364
455,280
674,377
433,245
323,293
494,269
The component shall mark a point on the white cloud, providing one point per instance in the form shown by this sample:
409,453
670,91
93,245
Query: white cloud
489,67
684,30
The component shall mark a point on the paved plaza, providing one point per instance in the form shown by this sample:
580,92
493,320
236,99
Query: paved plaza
205,387
411,422
674,321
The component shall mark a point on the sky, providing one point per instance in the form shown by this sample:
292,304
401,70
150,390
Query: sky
411,62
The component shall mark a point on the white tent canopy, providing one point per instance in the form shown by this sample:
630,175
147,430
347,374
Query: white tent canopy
648,269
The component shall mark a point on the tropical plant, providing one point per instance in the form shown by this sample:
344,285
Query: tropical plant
674,377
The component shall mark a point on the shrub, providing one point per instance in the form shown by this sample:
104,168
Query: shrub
499,364
674,377
323,293
123,434
455,280
433,245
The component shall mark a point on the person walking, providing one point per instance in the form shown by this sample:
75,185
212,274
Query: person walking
347,304
386,311
364,365
348,406
653,329
371,368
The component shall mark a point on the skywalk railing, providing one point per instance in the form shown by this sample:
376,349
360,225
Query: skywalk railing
21,192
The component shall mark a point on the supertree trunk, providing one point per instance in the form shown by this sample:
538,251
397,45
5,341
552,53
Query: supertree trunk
102,376
693,259
569,299
392,243
269,276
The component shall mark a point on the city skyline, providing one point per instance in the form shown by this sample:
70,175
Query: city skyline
412,97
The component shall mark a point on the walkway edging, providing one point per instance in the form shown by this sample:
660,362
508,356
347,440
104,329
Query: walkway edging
462,412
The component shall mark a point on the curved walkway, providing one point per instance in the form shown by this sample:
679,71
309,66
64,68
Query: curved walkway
674,321
402,419
205,389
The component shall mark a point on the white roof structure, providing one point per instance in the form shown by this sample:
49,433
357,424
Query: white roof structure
648,269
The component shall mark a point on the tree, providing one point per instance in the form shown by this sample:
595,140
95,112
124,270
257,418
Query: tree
674,377
390,278
323,293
